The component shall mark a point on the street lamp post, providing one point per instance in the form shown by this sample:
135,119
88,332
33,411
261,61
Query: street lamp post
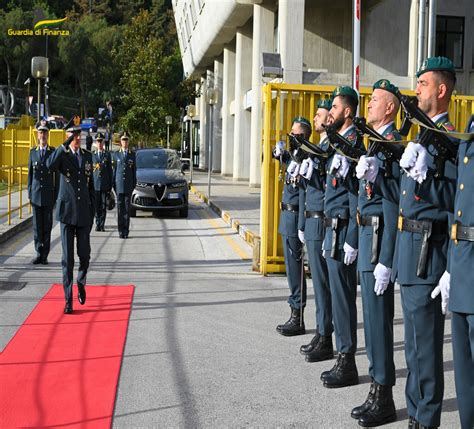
39,70
212,101
191,110
169,121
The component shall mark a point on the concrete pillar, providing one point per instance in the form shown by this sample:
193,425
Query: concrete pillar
243,82
413,42
217,128
228,94
203,117
263,24
290,38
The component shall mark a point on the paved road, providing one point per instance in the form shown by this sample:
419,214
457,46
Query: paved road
202,350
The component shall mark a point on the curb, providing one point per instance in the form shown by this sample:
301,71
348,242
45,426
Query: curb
8,231
248,236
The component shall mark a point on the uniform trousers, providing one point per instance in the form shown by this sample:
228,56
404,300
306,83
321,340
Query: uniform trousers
378,314
322,292
82,234
462,325
424,330
292,250
123,213
42,226
343,284
100,208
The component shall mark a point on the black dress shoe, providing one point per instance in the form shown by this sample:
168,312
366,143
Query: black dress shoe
68,308
44,261
97,228
102,229
38,260
306,348
322,350
344,374
81,295
412,423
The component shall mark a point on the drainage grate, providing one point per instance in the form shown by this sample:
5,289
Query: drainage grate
6,285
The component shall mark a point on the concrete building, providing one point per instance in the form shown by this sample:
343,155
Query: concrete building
222,42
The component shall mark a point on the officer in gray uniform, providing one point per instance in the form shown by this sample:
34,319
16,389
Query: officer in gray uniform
75,209
288,228
103,177
311,230
455,286
43,187
377,220
421,250
340,247
124,182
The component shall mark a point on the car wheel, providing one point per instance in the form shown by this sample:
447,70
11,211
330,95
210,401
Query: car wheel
183,212
133,212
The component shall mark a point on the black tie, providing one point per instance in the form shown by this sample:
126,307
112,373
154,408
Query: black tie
42,154
76,155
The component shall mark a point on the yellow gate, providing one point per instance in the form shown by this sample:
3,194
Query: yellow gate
282,102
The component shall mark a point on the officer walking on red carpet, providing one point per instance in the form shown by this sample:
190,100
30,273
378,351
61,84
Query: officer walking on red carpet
75,209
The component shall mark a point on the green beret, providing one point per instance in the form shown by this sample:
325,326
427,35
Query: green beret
386,85
436,64
325,103
301,120
347,91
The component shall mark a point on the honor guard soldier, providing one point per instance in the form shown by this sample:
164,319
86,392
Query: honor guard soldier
43,187
125,180
341,244
311,231
89,140
421,248
288,228
377,220
103,178
455,286
75,208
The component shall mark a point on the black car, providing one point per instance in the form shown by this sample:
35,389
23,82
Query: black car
161,184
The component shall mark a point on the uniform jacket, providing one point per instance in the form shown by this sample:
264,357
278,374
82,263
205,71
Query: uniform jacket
340,203
43,184
103,171
75,205
371,204
413,207
458,198
125,172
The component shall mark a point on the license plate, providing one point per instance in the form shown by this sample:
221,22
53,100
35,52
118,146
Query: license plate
173,196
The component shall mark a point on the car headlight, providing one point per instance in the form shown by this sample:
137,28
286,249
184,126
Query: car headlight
178,184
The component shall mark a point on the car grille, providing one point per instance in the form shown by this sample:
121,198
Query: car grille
151,202
160,191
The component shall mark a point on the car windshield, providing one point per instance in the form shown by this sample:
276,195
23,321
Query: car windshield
160,159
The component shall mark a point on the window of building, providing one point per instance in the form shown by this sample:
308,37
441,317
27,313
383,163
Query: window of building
192,13
450,38
188,28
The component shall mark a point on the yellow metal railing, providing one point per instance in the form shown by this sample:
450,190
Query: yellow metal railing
20,171
282,102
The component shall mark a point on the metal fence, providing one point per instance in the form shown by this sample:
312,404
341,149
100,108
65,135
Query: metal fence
282,102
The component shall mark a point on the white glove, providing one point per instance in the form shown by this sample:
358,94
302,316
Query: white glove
293,169
443,288
409,156
306,169
341,165
367,168
419,170
382,278
350,254
279,148
322,250
301,235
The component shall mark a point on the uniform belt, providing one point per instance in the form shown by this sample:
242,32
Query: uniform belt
313,214
461,232
290,207
426,228
375,222
335,223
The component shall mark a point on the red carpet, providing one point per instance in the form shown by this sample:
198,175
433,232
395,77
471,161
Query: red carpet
62,370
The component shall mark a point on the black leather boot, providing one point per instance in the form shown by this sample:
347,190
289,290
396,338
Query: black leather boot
326,374
382,410
306,348
322,350
361,409
292,326
345,374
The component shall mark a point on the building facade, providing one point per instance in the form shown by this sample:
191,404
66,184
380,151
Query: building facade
222,42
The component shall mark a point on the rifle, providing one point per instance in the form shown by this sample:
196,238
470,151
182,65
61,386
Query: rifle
446,149
302,145
391,151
